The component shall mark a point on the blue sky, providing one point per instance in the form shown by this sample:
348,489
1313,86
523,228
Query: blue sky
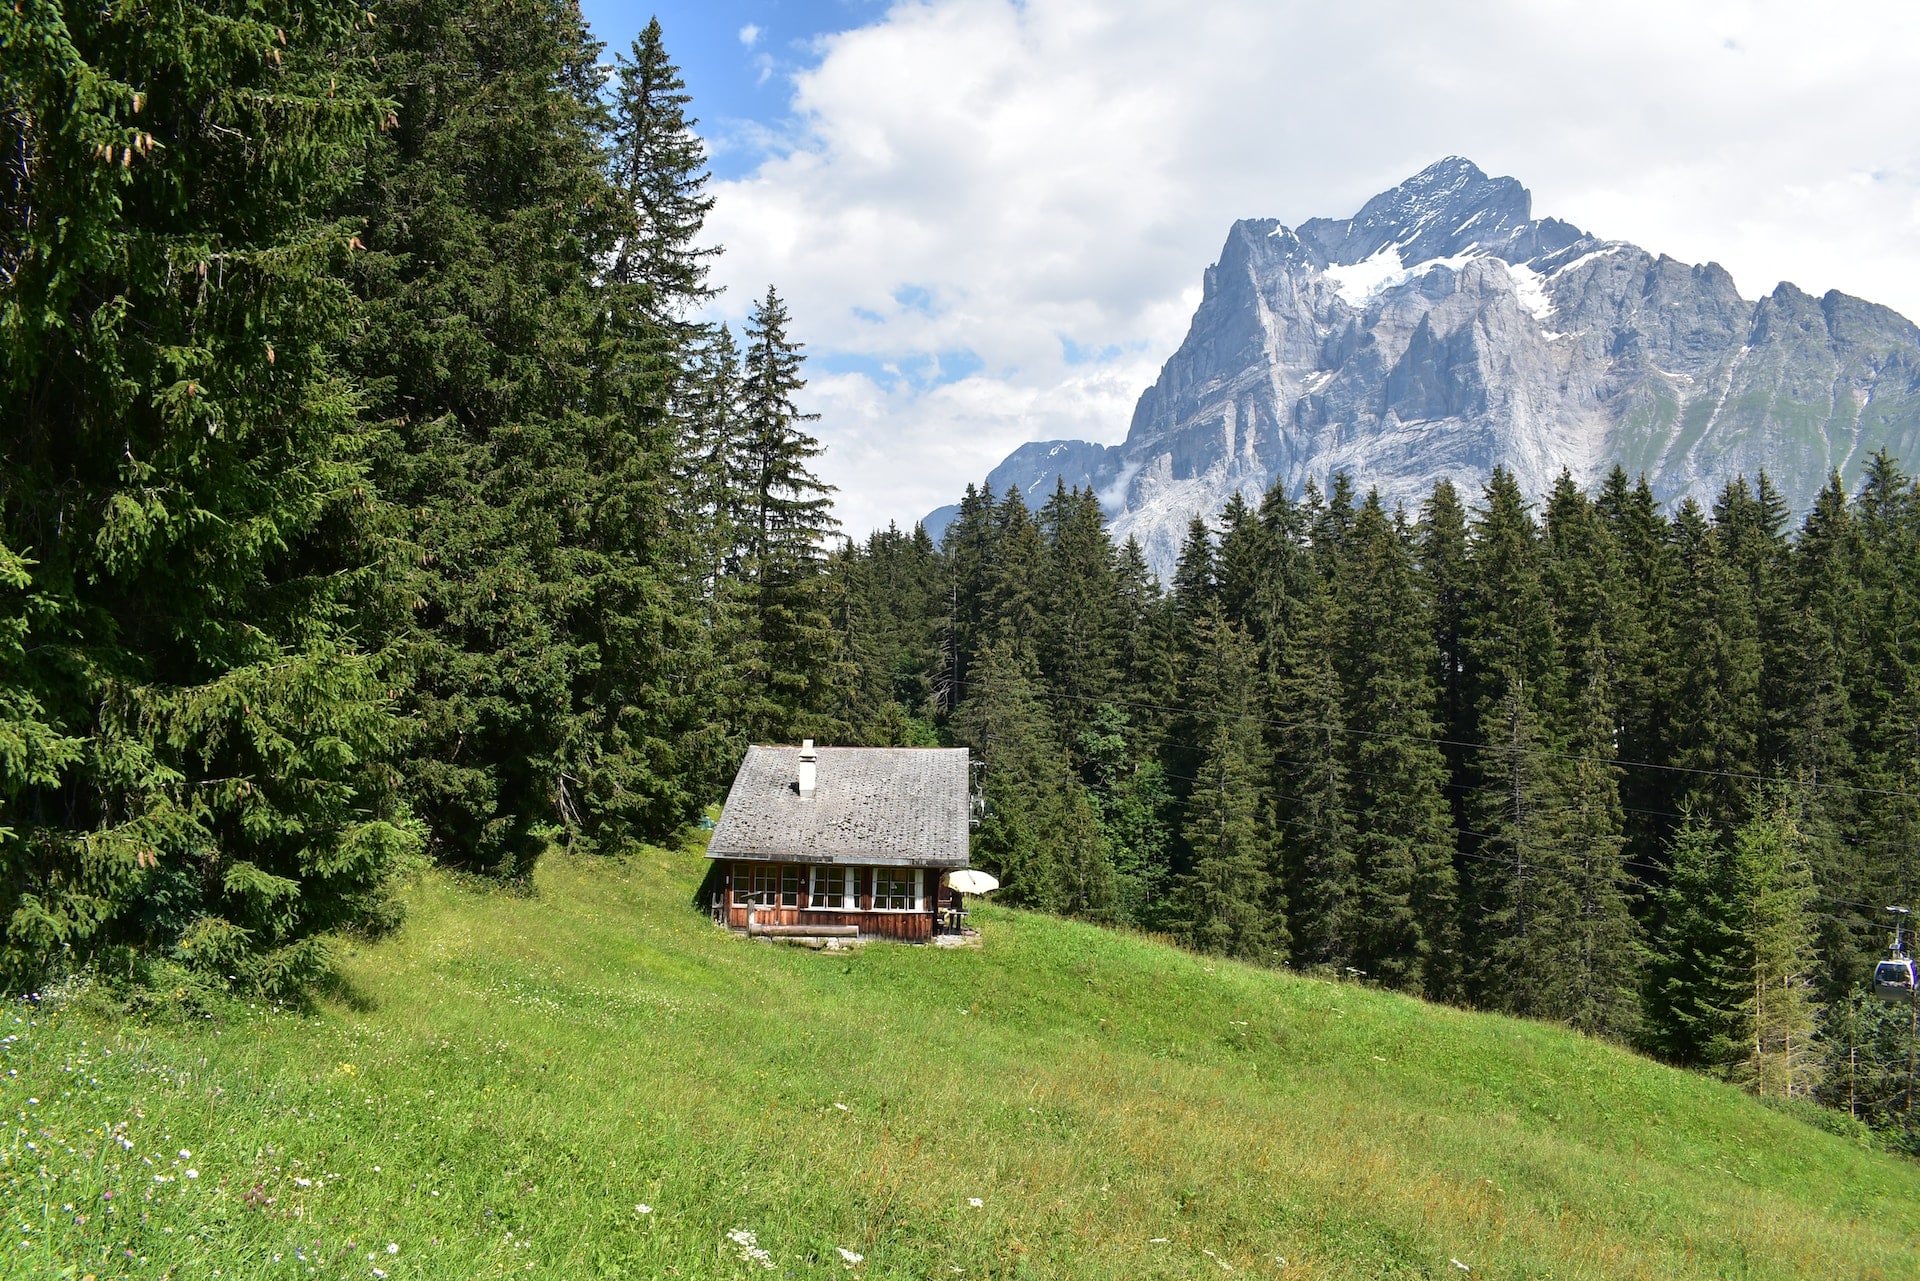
991,218
735,80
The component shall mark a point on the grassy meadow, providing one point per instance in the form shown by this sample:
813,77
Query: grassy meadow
592,1081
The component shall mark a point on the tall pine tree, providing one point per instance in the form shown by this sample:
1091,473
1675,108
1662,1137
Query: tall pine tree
784,654
198,746
1404,876
1233,903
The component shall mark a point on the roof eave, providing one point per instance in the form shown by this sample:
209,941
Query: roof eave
851,858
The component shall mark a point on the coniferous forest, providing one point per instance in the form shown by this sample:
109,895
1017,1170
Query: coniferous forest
373,492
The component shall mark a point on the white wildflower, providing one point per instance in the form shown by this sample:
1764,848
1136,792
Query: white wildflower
643,1209
193,1174
750,1251
843,1107
975,1202
850,1256
393,1247
184,1154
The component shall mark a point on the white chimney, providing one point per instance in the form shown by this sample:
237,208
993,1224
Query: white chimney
807,759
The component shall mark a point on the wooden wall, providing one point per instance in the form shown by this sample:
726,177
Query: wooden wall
911,927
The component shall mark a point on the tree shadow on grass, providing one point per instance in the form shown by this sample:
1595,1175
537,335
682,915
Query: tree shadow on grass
339,988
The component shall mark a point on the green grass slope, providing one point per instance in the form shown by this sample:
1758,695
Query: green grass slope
513,1078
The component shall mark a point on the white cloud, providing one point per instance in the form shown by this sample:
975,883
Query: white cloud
1005,179
750,35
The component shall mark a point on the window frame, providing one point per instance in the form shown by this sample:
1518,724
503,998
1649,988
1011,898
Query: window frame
917,898
849,878
762,887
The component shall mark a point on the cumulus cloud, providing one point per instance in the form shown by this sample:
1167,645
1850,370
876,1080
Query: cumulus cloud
750,35
992,219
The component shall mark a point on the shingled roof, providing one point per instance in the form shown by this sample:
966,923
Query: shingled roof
900,806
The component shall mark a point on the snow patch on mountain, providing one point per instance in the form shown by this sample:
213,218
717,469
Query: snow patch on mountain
1358,284
1530,287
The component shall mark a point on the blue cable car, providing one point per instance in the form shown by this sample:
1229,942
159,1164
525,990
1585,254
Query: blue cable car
1893,977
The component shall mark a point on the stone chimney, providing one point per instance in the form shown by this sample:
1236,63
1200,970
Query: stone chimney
808,760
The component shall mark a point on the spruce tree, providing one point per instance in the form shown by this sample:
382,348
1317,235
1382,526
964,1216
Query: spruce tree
1076,632
658,165
1733,982
483,327
1404,888
1696,982
968,551
1242,564
1594,986
887,591
709,476
1014,591
1443,568
1590,586
1775,887
1868,1065
1136,811
198,746
1638,676
1143,654
1517,684
1196,585
1886,688
1040,834
1750,527
785,657
1311,785
1279,577
1813,726
644,749
1231,903
1594,977
1713,673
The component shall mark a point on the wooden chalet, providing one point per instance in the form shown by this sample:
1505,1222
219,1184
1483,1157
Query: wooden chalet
841,842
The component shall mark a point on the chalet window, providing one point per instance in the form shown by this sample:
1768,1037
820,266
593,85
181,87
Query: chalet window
896,889
766,885
835,889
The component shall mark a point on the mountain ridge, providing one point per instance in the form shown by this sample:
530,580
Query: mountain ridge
1443,330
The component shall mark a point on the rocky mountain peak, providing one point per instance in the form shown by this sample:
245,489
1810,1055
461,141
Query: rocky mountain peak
1443,330
1446,209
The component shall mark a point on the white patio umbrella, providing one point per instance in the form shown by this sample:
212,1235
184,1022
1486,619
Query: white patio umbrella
972,881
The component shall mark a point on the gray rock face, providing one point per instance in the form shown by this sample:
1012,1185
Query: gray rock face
1442,331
